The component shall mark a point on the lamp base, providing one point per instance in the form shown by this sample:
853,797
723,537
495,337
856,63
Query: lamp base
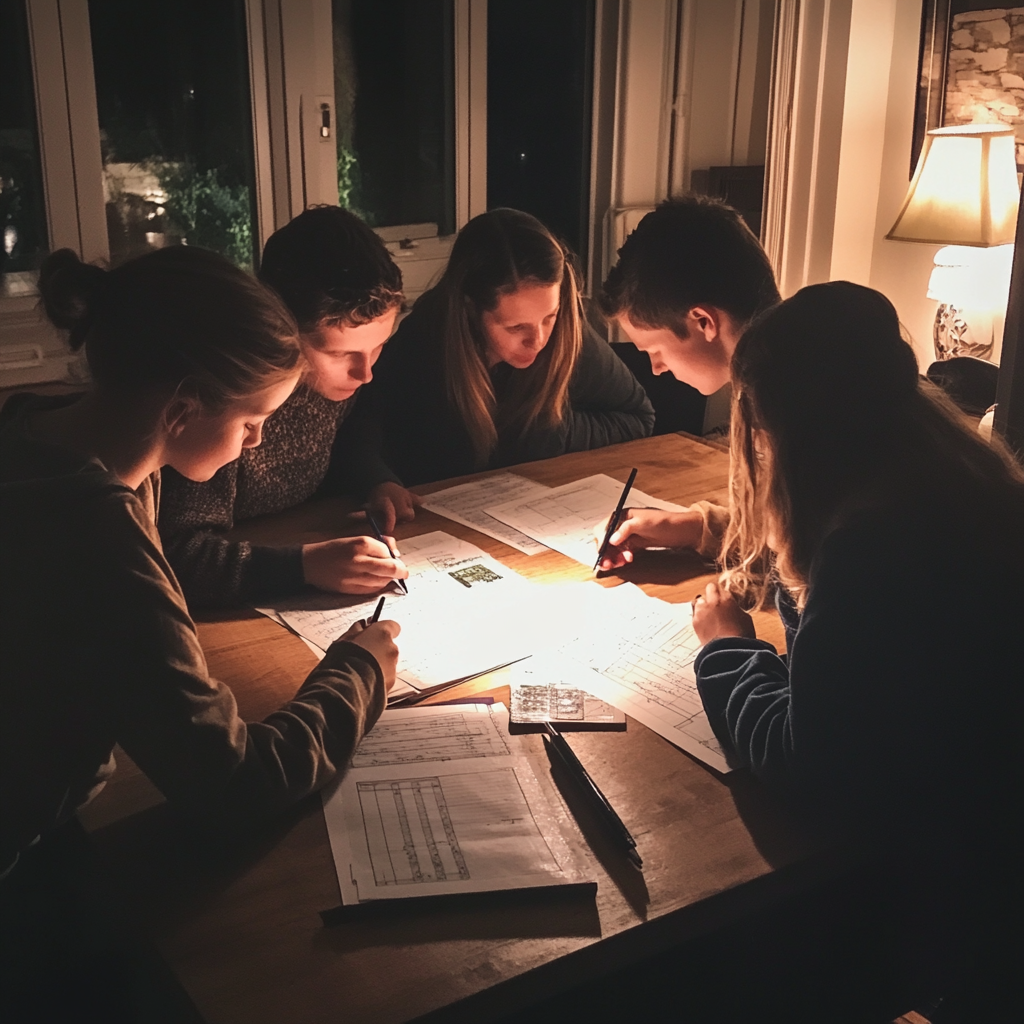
953,336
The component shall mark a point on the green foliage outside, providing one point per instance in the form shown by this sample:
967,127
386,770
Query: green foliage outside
349,184
208,213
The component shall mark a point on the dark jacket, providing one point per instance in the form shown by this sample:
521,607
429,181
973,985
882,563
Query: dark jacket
98,649
897,715
406,431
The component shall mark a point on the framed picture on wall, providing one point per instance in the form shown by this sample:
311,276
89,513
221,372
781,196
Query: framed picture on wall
971,69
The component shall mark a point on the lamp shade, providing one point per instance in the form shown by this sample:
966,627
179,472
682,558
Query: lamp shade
964,190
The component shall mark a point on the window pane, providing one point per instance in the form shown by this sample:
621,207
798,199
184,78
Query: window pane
393,88
172,88
539,60
22,210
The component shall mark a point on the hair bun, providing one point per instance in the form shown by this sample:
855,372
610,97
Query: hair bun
70,290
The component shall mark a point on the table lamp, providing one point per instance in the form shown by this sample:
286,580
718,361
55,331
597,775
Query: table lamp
964,196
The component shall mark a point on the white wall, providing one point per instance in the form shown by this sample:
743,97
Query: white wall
854,90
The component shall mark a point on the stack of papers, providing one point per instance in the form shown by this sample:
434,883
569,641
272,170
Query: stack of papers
437,802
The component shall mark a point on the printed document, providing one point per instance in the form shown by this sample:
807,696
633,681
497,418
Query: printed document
436,802
466,504
465,613
564,517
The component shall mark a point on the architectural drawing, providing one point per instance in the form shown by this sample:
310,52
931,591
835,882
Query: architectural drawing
401,738
564,517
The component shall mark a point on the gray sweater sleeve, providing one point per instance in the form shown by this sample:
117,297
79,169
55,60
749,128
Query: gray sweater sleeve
182,727
212,570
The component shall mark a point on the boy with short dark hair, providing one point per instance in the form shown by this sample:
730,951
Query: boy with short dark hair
688,282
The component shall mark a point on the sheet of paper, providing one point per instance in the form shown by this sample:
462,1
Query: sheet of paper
641,651
466,504
464,614
474,819
411,735
564,517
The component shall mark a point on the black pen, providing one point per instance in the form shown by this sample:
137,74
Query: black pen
614,521
380,537
575,768
377,610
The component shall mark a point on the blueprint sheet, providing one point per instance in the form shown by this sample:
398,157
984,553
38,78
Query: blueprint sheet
641,652
564,517
435,803
464,614
466,504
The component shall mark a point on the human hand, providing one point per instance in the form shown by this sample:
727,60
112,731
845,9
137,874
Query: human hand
352,565
716,613
391,503
379,639
641,528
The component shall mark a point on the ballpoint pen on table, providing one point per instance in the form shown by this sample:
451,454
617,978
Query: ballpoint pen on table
613,522
575,768
380,537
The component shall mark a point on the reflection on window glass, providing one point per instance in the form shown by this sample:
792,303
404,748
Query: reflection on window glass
23,238
393,88
172,88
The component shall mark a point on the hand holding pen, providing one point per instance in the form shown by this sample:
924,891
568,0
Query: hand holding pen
380,537
613,520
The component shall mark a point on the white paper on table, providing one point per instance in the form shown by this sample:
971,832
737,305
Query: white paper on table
473,819
465,613
466,504
564,517
554,688
641,651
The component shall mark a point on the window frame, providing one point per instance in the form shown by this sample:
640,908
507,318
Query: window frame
291,75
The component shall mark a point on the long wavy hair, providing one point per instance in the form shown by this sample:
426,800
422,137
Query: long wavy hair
829,417
494,254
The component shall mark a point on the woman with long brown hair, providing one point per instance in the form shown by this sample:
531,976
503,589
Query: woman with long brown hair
893,536
494,366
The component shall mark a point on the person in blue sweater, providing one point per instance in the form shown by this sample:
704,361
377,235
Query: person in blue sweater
892,537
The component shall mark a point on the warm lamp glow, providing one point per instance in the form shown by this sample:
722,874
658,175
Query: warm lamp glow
972,278
964,190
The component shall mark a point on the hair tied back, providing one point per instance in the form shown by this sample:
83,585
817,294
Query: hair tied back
71,292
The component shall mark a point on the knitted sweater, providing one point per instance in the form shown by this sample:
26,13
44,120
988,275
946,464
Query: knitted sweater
406,430
286,469
98,649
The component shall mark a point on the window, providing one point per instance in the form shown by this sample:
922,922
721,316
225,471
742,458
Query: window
172,97
539,59
23,234
393,94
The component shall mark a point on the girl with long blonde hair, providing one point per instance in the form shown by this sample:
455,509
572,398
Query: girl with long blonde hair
495,365
894,537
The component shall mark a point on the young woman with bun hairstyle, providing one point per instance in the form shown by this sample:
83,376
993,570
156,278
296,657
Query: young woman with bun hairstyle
338,280
189,356
495,365
894,537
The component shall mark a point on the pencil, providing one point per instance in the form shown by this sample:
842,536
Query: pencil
380,537
614,521
377,610
582,777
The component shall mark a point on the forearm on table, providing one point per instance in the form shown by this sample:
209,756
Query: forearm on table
217,572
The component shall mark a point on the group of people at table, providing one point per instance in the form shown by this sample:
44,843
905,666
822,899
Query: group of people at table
889,535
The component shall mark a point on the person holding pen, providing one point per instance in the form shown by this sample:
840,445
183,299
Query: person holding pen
896,716
494,366
688,282
344,291
189,357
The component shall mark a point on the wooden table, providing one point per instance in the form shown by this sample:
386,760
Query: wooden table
239,926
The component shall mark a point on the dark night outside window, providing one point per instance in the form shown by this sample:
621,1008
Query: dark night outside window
23,234
394,95
539,61
172,89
